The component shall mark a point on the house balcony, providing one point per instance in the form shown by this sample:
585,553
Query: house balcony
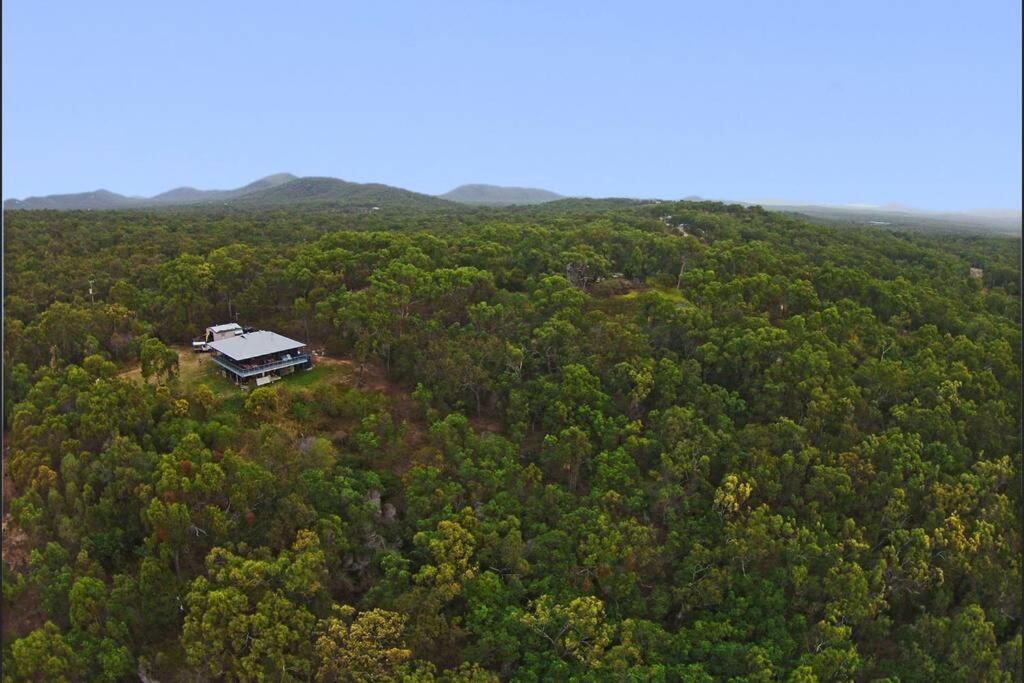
243,372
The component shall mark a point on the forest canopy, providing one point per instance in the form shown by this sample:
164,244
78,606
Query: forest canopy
620,441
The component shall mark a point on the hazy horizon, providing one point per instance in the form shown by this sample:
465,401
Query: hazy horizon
775,201
836,105
894,207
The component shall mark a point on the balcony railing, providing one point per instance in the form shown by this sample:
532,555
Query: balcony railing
297,359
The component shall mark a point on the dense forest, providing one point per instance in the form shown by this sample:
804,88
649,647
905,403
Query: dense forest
592,441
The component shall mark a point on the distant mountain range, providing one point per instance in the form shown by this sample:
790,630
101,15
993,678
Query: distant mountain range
496,195
278,190
104,199
283,190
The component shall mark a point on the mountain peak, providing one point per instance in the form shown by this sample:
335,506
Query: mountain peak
326,191
277,178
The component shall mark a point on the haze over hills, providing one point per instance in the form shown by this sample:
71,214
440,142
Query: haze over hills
278,190
106,200
1005,221
497,195
283,190
188,195
95,200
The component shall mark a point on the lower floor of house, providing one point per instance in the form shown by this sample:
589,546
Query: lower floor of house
261,375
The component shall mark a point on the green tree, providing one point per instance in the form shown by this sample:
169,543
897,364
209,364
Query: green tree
367,647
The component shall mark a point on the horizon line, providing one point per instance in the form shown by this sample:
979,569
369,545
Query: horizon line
890,207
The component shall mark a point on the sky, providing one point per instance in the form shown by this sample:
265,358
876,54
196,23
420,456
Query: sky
915,103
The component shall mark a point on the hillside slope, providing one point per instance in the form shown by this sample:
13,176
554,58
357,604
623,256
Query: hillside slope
190,195
96,200
497,195
332,191
103,200
280,190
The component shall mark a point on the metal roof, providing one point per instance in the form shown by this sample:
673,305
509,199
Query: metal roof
226,327
253,344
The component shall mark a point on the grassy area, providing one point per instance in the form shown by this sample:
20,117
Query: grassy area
217,384
198,368
668,292
307,378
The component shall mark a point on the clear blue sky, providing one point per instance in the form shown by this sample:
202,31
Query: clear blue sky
834,102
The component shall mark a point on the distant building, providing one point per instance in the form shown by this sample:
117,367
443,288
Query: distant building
216,333
259,356
977,273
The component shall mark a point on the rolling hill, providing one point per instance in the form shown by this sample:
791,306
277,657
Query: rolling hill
275,191
101,200
284,190
496,195
190,195
97,200
335,192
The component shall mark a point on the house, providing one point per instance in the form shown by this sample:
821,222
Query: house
977,273
216,333
259,356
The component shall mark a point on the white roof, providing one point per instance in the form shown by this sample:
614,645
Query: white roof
253,344
226,327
